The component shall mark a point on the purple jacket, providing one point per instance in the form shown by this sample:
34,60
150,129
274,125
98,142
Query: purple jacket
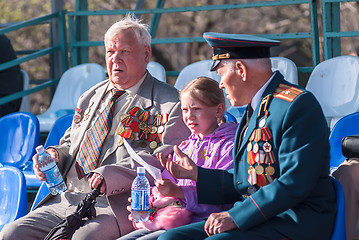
213,151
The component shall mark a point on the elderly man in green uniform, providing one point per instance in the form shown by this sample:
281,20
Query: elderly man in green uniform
280,185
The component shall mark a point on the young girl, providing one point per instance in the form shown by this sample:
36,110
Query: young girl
209,146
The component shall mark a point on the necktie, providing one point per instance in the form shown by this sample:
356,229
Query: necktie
88,156
248,115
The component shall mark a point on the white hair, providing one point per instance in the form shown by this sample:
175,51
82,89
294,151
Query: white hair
140,29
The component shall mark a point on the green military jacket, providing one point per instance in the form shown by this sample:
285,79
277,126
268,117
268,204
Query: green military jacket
291,190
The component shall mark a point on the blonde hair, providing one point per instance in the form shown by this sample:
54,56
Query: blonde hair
205,90
130,22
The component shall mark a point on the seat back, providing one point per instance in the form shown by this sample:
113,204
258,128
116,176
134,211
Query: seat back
13,200
339,232
346,126
335,83
286,67
25,102
19,136
72,84
194,70
157,70
58,130
40,195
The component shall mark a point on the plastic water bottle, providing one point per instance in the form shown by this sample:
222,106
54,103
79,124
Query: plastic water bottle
140,193
54,180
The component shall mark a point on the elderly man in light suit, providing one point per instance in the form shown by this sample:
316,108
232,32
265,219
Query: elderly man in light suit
147,114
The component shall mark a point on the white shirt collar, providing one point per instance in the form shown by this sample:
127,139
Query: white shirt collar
132,90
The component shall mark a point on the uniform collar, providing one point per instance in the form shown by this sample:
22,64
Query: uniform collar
257,97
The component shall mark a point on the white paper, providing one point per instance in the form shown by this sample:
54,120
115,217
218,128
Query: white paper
155,172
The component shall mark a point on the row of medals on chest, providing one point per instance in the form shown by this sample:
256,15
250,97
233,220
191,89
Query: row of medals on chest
143,132
260,156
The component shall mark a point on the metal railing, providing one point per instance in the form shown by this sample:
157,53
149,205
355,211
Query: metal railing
58,48
79,46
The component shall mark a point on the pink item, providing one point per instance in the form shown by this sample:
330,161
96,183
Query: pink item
166,213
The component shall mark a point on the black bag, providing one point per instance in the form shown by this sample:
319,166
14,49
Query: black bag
350,146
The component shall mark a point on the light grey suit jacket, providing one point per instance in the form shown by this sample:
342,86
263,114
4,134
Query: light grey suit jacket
117,167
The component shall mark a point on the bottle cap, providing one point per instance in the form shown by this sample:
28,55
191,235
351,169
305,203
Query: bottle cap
39,149
141,170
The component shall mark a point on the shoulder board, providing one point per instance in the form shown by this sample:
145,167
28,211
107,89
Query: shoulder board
286,92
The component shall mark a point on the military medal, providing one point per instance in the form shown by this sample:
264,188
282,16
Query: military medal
267,147
270,170
249,146
142,126
120,130
259,169
262,122
120,142
255,148
77,116
143,144
153,145
160,129
153,129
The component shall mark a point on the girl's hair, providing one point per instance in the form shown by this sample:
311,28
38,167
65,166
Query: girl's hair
204,90
130,22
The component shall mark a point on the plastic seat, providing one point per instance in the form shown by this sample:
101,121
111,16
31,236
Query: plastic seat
72,84
339,232
25,102
335,83
58,130
19,137
286,67
157,70
41,194
346,126
194,70
13,199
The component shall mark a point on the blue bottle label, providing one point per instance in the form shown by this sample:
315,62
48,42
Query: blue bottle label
140,200
53,176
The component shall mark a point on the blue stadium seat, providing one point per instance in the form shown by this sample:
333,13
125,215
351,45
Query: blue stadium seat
58,130
41,194
19,136
55,134
346,126
13,199
339,232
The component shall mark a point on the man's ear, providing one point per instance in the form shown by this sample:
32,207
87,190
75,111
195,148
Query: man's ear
148,53
242,69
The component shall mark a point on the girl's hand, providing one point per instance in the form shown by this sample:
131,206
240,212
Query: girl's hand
184,167
169,189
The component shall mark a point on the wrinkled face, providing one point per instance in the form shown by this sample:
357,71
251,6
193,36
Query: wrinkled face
200,119
231,83
126,59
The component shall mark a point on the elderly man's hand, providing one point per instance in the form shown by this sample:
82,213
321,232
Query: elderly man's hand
218,223
35,163
95,181
183,167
